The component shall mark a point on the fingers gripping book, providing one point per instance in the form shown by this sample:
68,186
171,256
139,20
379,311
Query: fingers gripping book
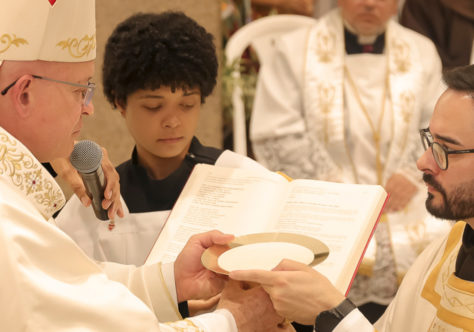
242,201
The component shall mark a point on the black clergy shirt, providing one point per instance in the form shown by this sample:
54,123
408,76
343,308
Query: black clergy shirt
465,259
144,194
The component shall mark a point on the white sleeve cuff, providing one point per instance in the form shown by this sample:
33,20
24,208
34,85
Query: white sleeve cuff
220,320
168,275
354,321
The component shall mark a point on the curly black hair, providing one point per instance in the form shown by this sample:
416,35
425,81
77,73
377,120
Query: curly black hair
148,50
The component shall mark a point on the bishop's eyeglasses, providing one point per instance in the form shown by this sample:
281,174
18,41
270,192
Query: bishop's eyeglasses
87,92
440,153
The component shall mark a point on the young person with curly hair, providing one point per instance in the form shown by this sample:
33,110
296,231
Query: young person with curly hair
158,70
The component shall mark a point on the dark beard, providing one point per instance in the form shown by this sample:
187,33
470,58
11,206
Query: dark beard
458,206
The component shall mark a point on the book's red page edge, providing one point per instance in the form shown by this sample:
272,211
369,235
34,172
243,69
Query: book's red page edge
367,244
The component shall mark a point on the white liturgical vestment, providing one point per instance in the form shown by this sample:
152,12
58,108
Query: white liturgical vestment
49,284
431,297
133,236
321,113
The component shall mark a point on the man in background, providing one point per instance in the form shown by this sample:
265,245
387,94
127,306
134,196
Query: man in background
341,101
437,293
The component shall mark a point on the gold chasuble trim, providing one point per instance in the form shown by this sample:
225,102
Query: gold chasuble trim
429,292
453,300
20,168
451,296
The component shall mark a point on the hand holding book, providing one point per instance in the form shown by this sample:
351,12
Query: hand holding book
240,202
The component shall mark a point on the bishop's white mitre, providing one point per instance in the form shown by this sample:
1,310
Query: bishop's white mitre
49,30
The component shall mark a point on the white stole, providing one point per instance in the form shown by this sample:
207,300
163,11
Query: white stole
324,89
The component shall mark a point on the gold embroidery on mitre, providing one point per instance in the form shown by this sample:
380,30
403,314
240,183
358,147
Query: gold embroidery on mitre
27,176
185,326
78,48
7,40
325,45
400,53
326,93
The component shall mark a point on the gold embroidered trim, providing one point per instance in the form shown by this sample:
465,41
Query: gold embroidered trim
326,94
443,274
78,48
168,295
7,40
27,175
449,317
457,305
429,291
185,326
400,51
325,45
407,106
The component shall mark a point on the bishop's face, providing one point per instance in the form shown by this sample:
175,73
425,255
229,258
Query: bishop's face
52,117
451,191
368,17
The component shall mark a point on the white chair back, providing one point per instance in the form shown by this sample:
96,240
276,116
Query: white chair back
260,35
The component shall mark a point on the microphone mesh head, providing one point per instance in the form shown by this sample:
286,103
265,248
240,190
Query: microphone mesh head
86,156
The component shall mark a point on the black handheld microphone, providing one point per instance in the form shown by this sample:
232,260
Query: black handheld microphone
86,158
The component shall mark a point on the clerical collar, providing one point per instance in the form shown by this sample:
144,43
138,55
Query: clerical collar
354,47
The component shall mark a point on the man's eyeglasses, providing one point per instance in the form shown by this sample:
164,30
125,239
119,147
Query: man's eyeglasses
440,154
87,93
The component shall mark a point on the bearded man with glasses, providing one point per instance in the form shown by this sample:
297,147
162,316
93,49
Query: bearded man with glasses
437,293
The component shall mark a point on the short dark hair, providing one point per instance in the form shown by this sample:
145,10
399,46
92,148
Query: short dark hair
460,79
148,50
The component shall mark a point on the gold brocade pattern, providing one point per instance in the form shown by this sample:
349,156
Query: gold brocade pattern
79,48
185,326
325,45
326,93
400,52
451,296
28,175
7,40
407,106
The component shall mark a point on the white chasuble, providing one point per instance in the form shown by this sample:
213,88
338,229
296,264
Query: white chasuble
49,284
432,298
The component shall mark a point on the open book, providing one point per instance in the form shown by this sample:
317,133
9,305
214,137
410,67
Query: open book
240,201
